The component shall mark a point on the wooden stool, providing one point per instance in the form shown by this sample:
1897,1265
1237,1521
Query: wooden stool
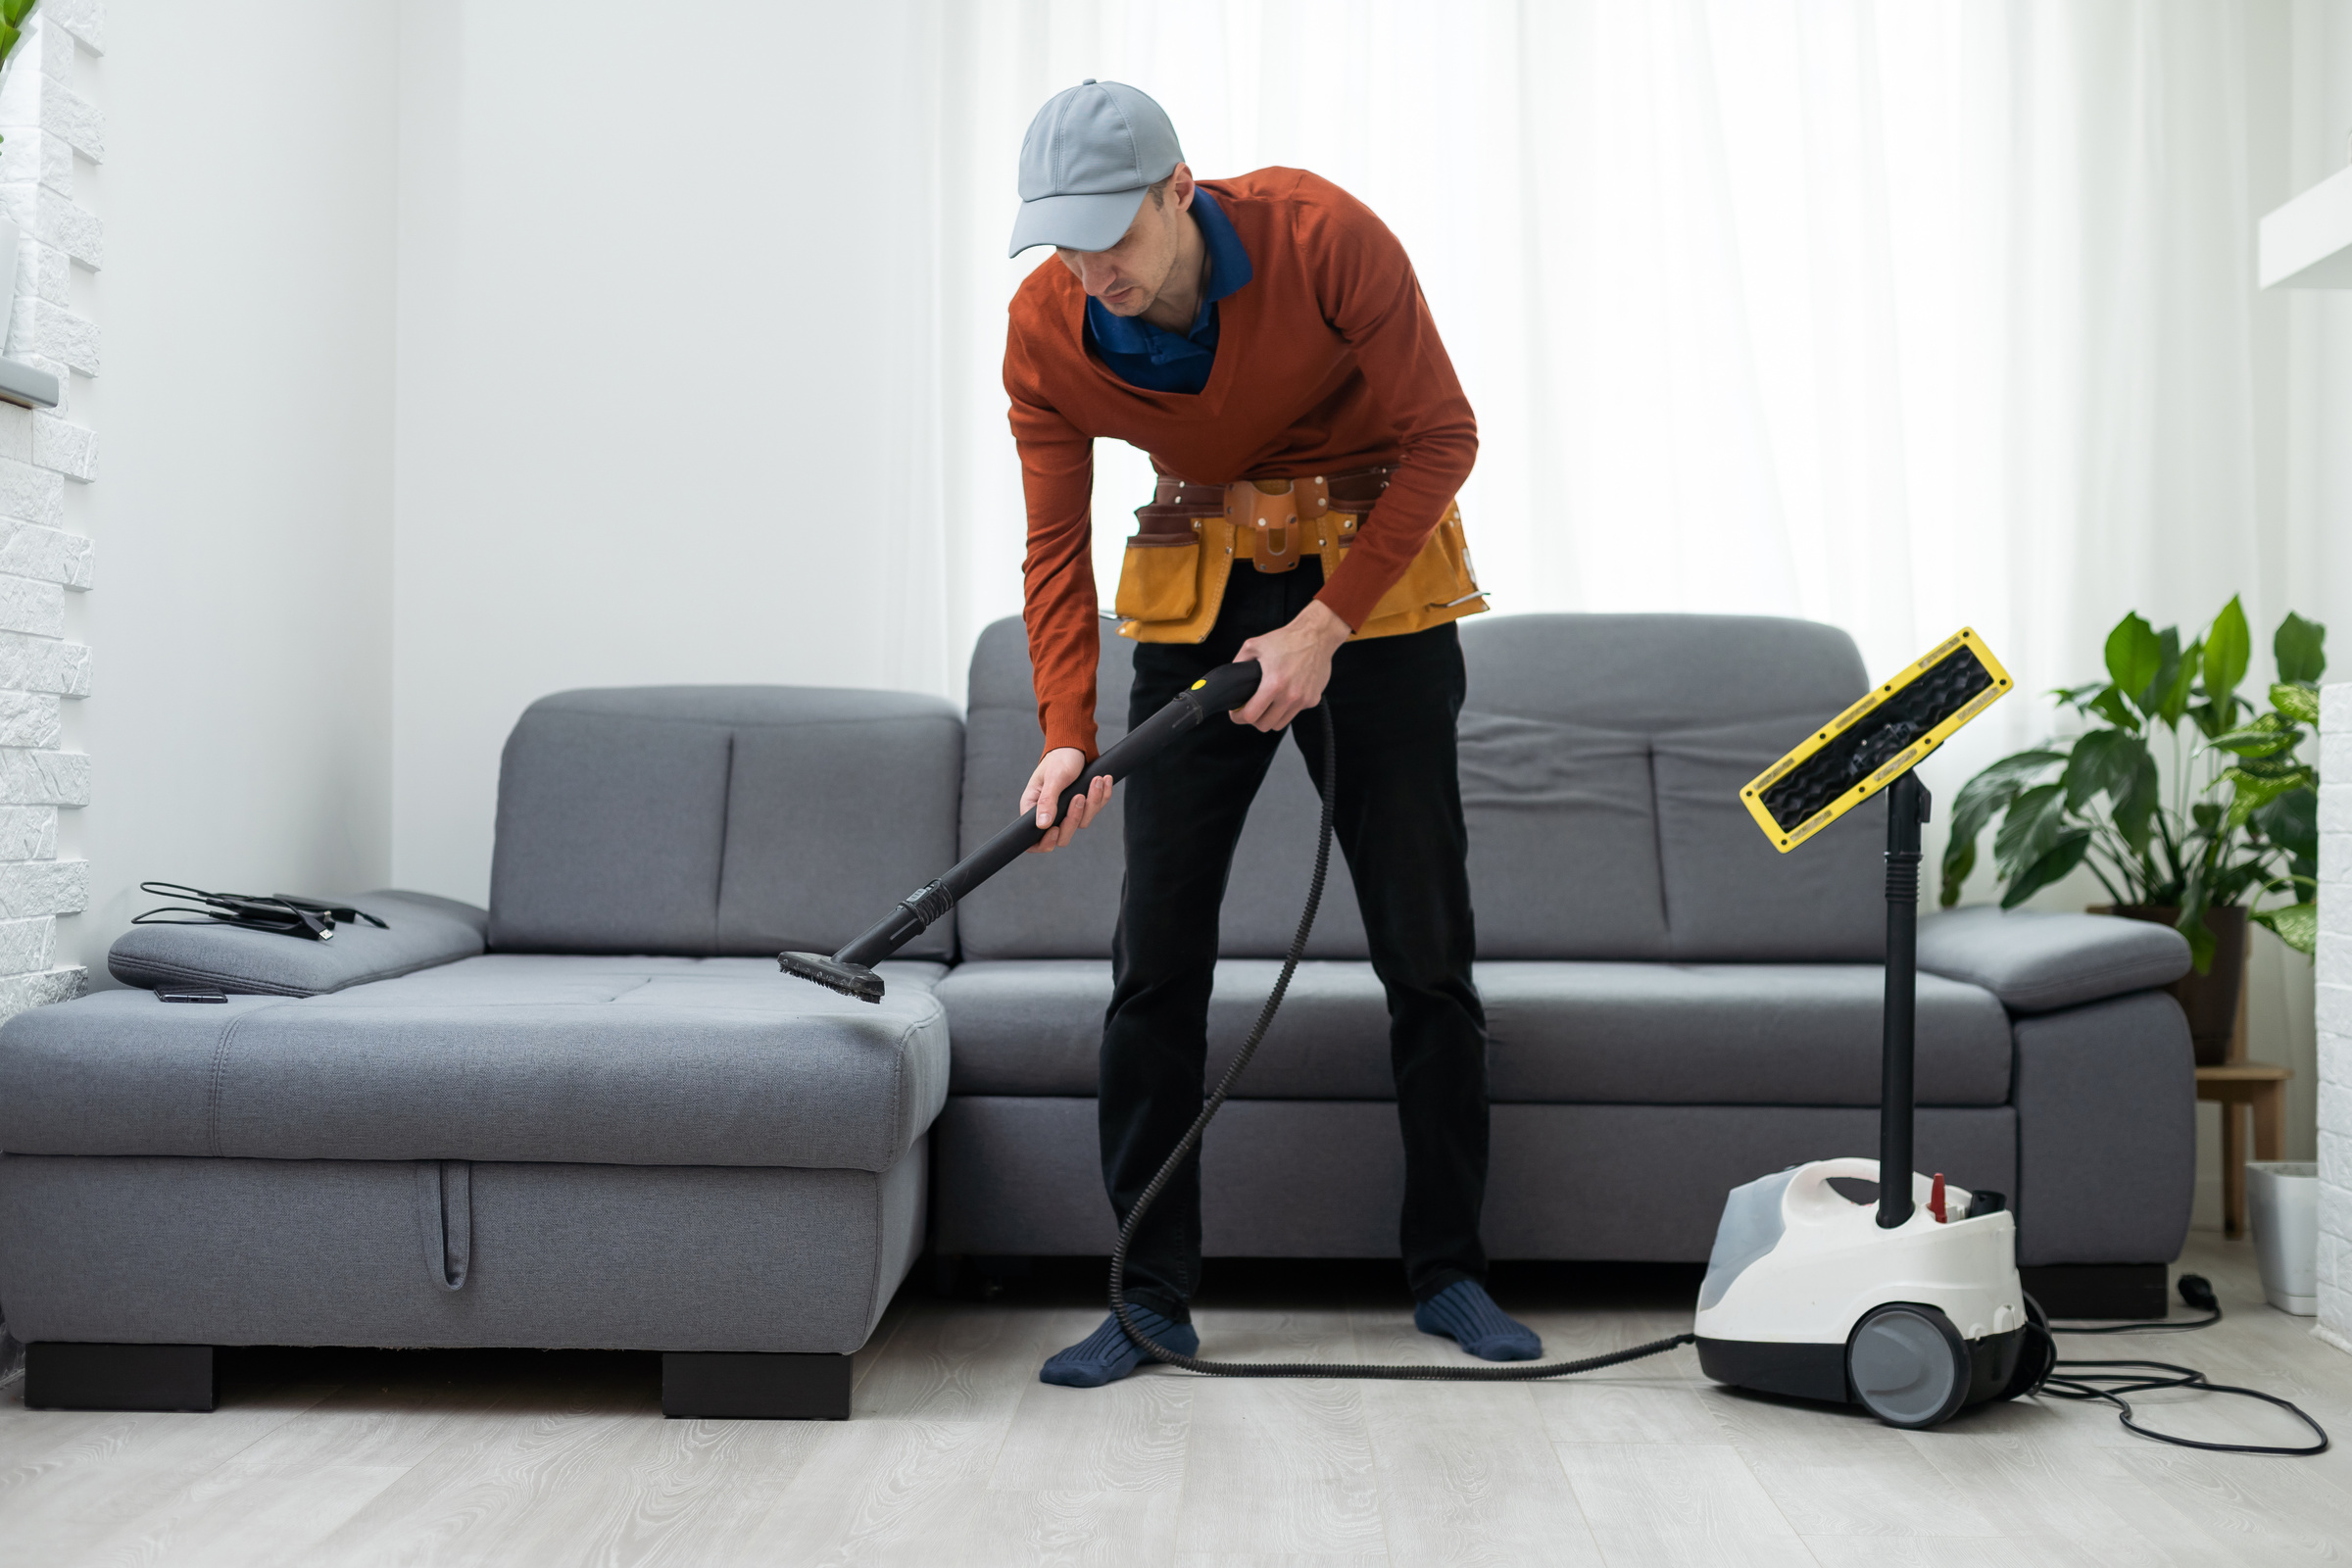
2262,1089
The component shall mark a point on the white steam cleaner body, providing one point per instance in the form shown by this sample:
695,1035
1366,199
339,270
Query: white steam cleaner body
1808,1294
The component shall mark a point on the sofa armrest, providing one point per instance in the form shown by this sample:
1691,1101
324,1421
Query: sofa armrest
2037,961
2106,1099
421,931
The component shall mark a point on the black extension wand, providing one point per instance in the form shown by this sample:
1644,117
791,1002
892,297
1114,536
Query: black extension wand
850,971
1907,806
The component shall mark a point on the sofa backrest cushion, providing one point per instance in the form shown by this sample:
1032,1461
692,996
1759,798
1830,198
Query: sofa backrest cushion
1601,761
722,819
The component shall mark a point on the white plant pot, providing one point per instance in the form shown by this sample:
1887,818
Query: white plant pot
2282,1205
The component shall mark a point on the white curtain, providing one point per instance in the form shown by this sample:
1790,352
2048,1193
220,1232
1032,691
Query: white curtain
1899,315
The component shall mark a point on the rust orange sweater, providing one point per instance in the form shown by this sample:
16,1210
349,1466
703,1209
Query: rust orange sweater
1327,360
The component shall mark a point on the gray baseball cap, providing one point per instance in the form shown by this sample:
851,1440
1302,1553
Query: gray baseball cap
1090,155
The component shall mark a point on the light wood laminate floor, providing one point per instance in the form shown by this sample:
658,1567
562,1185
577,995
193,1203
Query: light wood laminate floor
958,1455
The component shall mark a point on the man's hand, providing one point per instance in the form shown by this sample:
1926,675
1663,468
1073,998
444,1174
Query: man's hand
1057,772
1296,666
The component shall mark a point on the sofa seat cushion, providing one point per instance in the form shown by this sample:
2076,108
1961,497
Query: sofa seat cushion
521,1057
1730,1034
1034,1026
1562,1031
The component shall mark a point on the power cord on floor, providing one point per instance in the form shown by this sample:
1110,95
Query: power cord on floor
2132,1377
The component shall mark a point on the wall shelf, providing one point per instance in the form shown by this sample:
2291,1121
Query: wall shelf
2308,242
26,387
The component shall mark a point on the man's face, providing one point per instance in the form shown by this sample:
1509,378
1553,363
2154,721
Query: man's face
1130,275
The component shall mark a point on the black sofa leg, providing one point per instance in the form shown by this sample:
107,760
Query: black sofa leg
752,1386
2117,1291
62,1375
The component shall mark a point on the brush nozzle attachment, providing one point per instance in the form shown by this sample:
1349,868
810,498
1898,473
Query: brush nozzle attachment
849,979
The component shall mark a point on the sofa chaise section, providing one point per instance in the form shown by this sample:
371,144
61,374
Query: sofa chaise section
619,1127
538,1158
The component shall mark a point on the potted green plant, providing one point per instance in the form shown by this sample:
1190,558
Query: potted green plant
2188,801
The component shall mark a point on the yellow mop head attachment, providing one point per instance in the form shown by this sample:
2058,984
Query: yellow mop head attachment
1875,742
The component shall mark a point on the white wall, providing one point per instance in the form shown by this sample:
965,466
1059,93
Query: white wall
241,621
46,561
666,358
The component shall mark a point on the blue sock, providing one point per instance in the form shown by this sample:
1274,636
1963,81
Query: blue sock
1107,1355
1465,1313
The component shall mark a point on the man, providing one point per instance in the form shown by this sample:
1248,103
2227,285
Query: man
1265,340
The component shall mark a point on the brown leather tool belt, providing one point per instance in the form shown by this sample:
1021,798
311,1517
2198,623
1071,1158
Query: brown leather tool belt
1269,527
1190,536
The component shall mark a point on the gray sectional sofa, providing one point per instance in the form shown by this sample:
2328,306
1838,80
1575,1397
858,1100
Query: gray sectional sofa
1675,1008
595,1115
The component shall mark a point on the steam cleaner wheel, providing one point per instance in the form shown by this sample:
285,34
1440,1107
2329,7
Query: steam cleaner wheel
1908,1365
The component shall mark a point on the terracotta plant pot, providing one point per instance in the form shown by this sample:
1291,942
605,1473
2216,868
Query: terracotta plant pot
2209,999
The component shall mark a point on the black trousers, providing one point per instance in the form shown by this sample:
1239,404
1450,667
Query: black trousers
1398,820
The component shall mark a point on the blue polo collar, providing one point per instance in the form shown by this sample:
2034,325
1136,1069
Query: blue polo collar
1131,337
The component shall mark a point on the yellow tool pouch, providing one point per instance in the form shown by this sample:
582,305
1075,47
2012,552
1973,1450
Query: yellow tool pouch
1161,578
1188,541
1437,587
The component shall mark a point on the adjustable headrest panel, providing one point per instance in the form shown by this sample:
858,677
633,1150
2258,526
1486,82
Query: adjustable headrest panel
1602,759
722,819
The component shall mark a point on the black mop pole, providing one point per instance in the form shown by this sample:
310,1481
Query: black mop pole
1907,806
1219,692
850,972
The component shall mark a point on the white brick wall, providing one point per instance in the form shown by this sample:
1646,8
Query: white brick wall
46,123
2335,1016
